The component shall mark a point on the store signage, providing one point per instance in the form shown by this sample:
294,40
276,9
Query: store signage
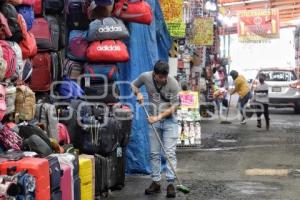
258,25
173,14
203,34
189,99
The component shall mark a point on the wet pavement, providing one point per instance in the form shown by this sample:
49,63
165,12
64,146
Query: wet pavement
216,169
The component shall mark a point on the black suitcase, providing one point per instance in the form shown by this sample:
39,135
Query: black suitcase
56,195
55,173
124,115
101,138
77,194
110,173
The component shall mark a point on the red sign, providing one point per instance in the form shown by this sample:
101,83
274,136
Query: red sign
258,25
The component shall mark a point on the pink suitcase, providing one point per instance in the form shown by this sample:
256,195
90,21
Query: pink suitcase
65,182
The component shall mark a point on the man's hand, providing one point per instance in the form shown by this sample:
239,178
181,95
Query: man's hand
153,119
140,98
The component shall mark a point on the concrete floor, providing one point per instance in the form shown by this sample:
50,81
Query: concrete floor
217,170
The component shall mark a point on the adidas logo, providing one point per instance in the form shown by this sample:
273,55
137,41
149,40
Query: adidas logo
110,29
109,48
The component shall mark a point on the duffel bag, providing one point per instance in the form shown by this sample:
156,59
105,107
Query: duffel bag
139,11
107,51
97,73
108,28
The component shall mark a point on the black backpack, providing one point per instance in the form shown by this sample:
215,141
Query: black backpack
36,144
29,130
11,15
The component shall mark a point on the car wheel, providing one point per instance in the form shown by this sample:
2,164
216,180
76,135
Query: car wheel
297,108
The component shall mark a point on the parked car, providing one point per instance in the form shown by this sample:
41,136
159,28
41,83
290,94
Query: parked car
284,87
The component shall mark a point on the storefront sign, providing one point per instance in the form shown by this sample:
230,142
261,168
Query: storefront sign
203,32
189,99
173,14
258,25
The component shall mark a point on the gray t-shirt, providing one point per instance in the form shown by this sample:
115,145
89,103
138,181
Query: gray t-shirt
169,91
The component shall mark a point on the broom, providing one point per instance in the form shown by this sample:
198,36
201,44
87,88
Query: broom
226,121
179,187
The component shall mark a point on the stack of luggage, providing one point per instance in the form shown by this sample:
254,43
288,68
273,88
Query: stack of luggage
63,129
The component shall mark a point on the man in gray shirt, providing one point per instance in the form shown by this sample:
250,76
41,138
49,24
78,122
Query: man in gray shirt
163,97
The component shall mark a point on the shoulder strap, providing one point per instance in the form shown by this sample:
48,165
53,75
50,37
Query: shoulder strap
158,90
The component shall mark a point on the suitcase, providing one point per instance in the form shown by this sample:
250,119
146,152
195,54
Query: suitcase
77,190
123,114
92,158
72,161
66,179
85,174
101,138
39,168
56,195
55,173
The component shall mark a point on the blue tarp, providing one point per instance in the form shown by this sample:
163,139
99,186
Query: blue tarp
146,45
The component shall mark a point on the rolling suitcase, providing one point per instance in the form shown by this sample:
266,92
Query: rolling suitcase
39,168
66,179
72,161
85,174
55,174
92,158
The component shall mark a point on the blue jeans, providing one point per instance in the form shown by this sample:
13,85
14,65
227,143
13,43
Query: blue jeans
242,103
168,132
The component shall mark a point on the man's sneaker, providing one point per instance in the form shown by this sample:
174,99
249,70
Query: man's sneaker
243,121
171,192
153,188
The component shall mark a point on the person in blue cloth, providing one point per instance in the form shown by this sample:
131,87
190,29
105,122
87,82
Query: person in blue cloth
163,95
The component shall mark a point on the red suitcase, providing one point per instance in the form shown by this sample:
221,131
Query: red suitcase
65,182
39,168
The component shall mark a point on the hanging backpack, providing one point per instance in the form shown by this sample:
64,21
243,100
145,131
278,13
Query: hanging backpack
9,139
63,134
37,7
107,51
53,6
41,74
72,69
10,98
11,14
9,57
97,73
104,2
20,63
3,107
40,30
25,103
78,45
108,28
28,2
28,44
76,14
47,116
138,11
70,90
27,70
28,15
5,33
54,32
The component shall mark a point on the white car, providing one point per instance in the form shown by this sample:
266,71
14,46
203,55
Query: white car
284,87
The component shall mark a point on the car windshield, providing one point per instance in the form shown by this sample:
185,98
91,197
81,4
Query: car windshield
278,75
